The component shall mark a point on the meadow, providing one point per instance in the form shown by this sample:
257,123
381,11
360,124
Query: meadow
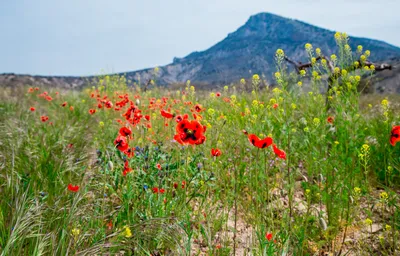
240,170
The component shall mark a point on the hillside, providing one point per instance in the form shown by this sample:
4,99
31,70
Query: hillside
248,50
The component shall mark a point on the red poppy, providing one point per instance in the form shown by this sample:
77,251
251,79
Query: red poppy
158,166
178,118
121,143
99,105
109,225
198,108
92,111
30,89
49,98
126,168
183,184
125,131
162,191
260,143
155,190
44,118
275,106
64,104
268,236
32,109
190,132
218,94
130,152
147,117
279,153
175,185
108,104
215,152
330,119
71,108
73,188
36,88
166,114
395,135
70,145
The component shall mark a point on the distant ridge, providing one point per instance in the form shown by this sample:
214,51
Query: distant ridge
250,49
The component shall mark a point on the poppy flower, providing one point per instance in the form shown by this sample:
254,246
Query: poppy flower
155,190
49,98
71,108
44,118
166,114
64,104
125,131
275,106
395,135
70,145
215,152
161,191
218,94
108,104
99,105
109,225
147,117
175,185
330,119
183,184
126,168
92,111
198,108
32,109
260,143
178,118
279,153
268,236
30,89
130,152
121,143
190,132
73,188
158,166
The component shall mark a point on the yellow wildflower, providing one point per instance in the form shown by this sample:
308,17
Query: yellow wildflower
368,221
128,232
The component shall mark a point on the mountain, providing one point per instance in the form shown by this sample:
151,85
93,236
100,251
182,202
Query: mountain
251,49
248,50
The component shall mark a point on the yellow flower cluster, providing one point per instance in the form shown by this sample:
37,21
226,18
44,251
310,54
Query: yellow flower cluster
128,232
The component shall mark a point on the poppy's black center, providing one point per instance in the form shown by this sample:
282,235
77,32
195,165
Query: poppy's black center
190,134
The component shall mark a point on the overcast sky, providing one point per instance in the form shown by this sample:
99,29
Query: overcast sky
84,37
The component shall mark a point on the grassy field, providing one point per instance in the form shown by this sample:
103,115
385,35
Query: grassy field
116,170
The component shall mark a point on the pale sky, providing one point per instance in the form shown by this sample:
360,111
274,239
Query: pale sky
86,37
